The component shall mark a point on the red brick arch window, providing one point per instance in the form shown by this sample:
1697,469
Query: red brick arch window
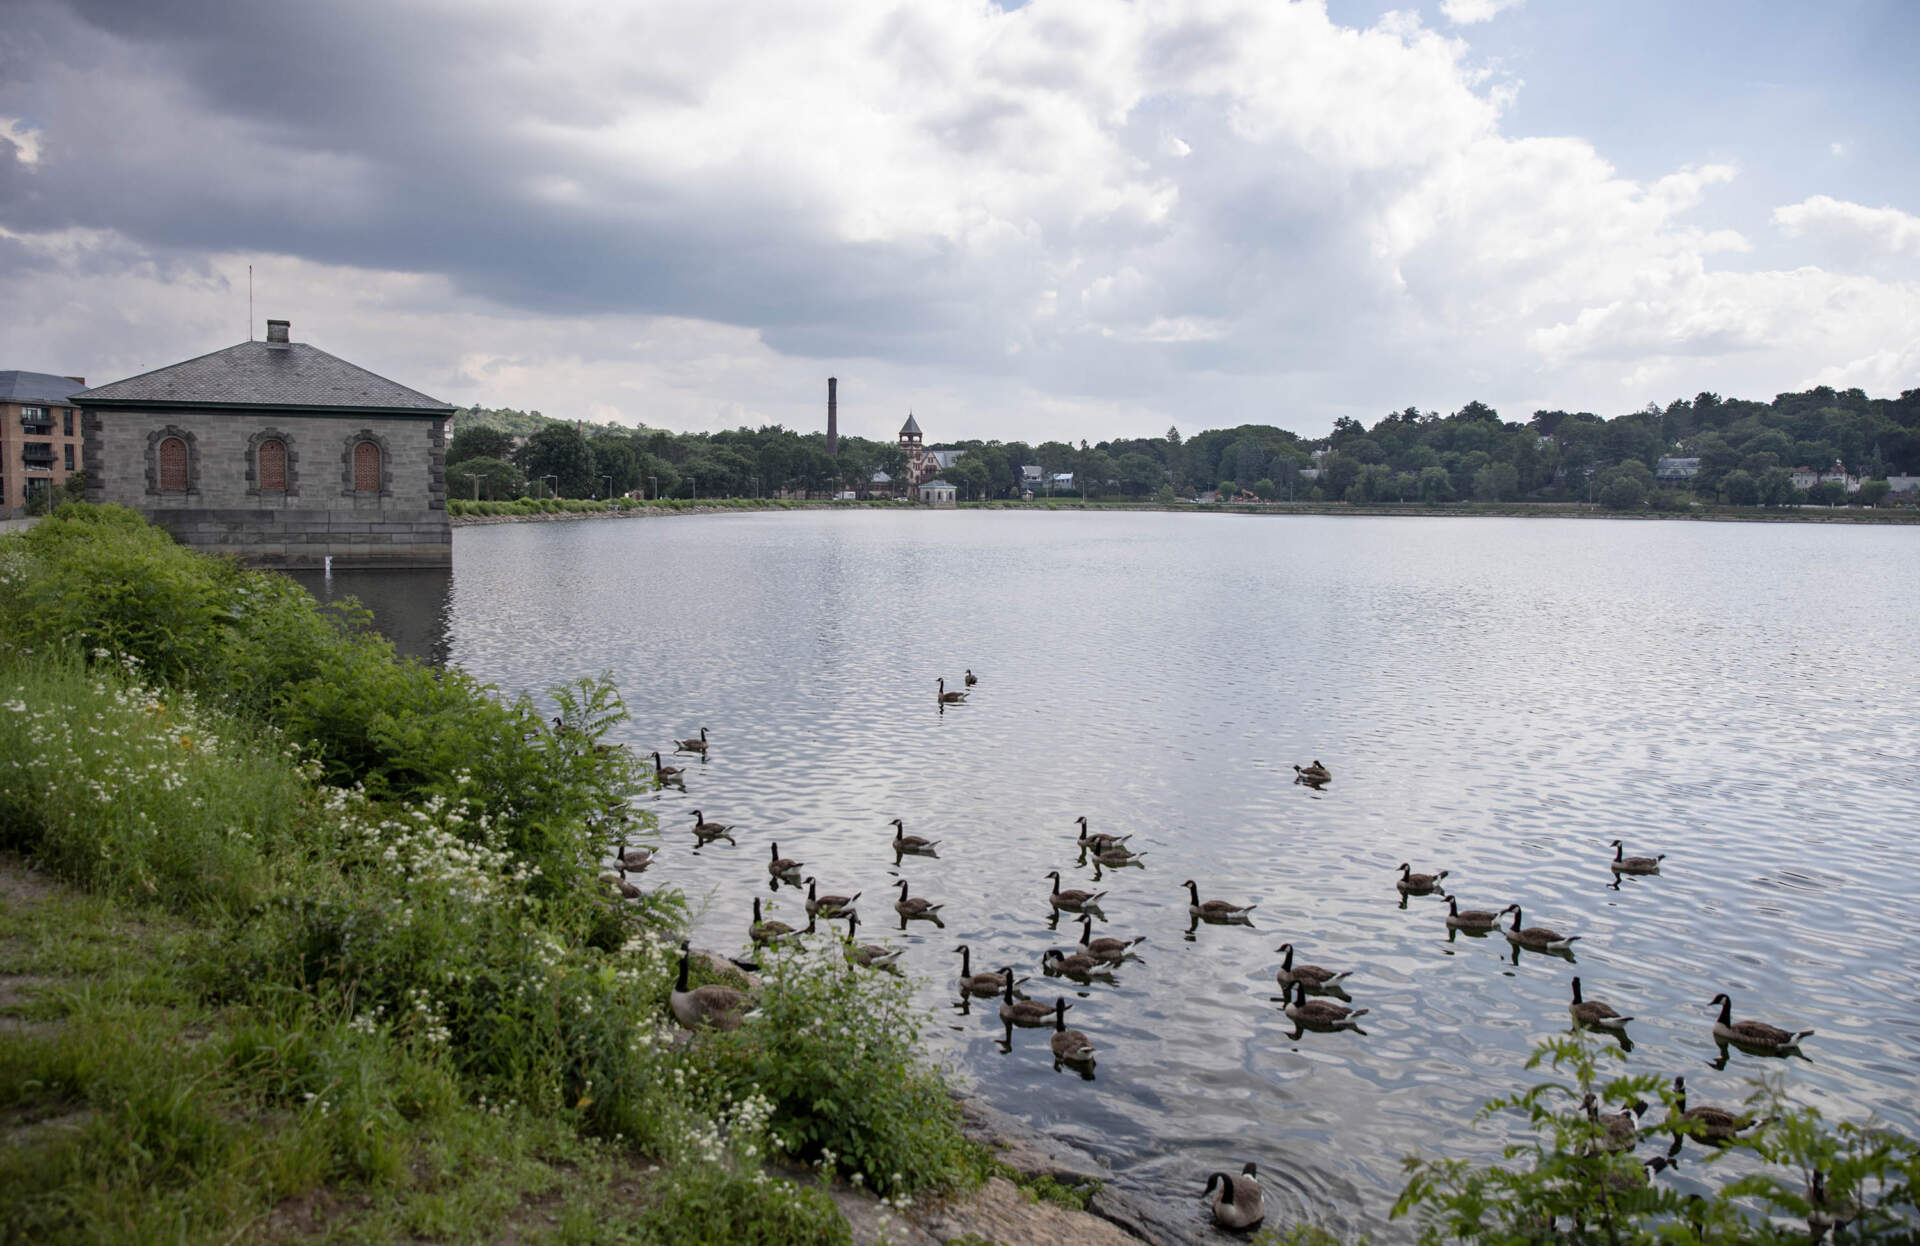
273,464
366,467
173,464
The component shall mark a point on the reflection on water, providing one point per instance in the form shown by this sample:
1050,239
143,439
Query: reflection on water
410,608
1499,699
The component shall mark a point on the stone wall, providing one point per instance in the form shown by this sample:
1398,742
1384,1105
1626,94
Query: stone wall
317,516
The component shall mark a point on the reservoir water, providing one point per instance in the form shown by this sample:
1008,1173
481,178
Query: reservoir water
1496,698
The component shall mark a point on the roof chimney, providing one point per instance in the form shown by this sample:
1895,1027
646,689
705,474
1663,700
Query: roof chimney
277,333
78,380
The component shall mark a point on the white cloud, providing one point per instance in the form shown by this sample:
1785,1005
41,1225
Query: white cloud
23,138
1108,216
1887,231
1466,12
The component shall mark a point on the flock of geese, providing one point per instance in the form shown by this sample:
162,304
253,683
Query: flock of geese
1235,1200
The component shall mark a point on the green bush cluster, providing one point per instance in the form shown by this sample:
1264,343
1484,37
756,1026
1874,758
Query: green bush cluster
393,873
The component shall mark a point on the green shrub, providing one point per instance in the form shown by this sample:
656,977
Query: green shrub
1567,1186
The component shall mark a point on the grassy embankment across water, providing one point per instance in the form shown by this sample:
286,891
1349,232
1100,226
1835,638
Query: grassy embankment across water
305,942
465,513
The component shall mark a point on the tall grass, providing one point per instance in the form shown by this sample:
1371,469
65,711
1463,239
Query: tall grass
395,929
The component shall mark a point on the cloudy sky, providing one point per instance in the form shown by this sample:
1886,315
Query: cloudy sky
1064,218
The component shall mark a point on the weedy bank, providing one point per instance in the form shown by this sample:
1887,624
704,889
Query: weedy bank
335,960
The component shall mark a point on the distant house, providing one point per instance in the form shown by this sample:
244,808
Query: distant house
1032,475
1904,484
1677,470
1807,477
939,493
945,459
1061,480
1310,473
39,436
880,485
276,452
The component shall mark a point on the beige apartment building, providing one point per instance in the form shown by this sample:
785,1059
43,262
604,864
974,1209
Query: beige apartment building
40,440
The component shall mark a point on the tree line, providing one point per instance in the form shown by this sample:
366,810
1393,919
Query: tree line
1746,451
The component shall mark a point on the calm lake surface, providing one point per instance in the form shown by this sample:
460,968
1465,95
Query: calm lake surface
1498,698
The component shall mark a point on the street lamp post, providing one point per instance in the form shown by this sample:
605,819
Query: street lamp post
609,479
693,483
654,484
553,490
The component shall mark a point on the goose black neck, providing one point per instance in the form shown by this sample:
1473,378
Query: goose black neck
1226,1186
1193,891
1288,963
1726,1010
756,910
1576,990
1007,974
1516,917
966,962
1619,850
1086,931
1059,1014
683,972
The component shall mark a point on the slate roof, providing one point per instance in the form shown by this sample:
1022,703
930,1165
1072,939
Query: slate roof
911,427
36,387
936,484
261,374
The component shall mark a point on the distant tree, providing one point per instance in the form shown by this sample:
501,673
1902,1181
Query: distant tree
1622,492
1139,473
1055,456
1872,492
1263,489
1740,487
484,478
1337,474
1228,490
1827,493
1496,482
559,450
74,489
1477,410
1776,488
1435,485
478,441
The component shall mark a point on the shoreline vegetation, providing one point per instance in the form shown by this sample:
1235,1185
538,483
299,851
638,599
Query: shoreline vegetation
478,514
306,942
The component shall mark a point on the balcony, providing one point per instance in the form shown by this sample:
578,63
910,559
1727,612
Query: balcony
42,422
37,454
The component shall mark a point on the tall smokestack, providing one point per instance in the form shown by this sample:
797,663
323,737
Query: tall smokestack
833,416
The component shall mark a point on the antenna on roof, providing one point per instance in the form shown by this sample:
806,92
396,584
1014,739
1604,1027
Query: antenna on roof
249,302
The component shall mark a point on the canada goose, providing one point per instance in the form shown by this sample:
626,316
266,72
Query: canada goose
1630,1177
692,745
1313,977
770,931
1315,774
562,728
1073,900
715,1006
1536,938
950,698
635,859
914,906
784,868
1757,1035
1635,865
1069,1046
971,679
1824,1211
1215,910
1320,1014
971,983
1098,842
707,831
618,884
1594,1014
1117,856
1104,948
828,907
1081,966
1472,919
1025,1012
903,842
1710,1124
1411,884
1238,1204
868,955
665,773
1623,1127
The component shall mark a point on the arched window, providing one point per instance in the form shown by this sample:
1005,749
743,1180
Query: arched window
366,467
272,464
173,465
